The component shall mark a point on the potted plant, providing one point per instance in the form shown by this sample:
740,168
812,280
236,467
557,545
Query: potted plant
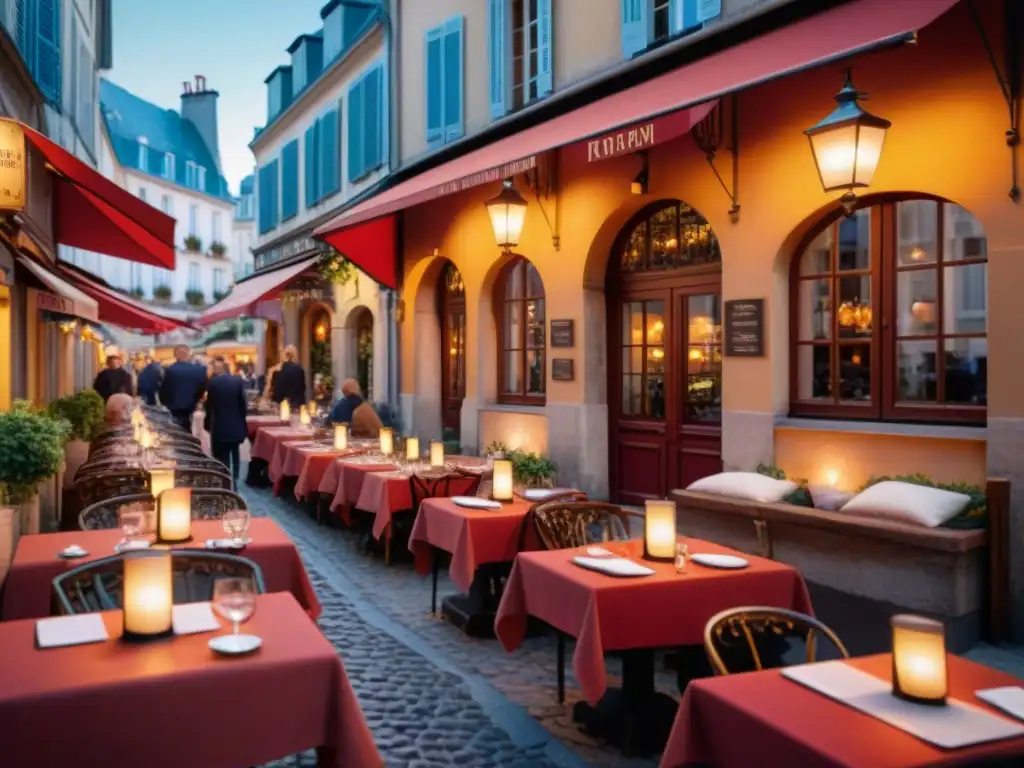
85,413
31,451
193,243
137,292
218,249
531,470
335,268
195,298
162,292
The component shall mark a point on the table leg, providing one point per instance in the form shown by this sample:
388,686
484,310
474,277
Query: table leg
387,545
436,565
561,666
474,612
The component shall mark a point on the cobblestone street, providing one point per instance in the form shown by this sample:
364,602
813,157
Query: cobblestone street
431,695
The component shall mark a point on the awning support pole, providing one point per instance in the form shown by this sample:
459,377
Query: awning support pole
708,136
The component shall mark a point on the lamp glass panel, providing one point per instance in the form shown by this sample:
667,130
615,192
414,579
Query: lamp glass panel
835,151
869,151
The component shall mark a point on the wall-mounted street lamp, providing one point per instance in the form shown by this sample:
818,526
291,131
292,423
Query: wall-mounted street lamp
847,145
508,212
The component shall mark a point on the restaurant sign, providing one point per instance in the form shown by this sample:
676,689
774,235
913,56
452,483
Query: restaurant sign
300,246
12,166
504,171
51,302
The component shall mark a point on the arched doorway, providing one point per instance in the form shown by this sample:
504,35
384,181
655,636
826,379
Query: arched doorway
452,318
364,352
318,326
663,287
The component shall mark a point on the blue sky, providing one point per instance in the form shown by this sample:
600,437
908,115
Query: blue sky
235,43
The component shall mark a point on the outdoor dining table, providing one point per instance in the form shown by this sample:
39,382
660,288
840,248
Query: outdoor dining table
254,422
28,592
309,462
785,723
343,482
634,616
267,439
174,702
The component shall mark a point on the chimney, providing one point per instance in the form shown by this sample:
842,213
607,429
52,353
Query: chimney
199,107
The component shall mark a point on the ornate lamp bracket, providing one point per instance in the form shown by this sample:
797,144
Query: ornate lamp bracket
709,135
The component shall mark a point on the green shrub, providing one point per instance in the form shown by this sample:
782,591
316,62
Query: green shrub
84,411
31,450
801,497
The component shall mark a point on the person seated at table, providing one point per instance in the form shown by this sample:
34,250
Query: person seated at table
353,410
119,409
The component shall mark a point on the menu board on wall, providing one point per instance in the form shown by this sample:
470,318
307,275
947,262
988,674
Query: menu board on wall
744,328
563,333
562,369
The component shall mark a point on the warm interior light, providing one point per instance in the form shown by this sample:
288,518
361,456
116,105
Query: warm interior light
286,411
340,437
304,416
508,212
137,418
148,594
412,449
502,485
174,515
831,478
659,529
387,441
145,438
436,453
919,659
160,480
321,332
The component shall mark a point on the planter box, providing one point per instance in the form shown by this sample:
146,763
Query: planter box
10,532
75,454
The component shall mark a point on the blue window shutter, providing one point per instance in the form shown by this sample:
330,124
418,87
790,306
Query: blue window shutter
310,165
290,180
23,9
635,27
274,185
684,15
691,19
355,130
330,156
48,71
263,197
545,64
497,26
373,119
454,79
435,60
708,9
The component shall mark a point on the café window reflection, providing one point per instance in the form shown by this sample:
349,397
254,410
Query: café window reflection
521,318
920,261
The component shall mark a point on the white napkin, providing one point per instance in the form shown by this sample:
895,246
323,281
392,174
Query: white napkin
193,618
61,631
1009,699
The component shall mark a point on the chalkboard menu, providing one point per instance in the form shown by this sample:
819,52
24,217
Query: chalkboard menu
562,369
744,328
562,333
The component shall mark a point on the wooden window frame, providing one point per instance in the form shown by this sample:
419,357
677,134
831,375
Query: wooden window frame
453,303
884,405
500,302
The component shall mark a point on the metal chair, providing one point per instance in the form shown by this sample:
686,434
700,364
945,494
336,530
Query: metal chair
98,585
94,488
207,504
753,638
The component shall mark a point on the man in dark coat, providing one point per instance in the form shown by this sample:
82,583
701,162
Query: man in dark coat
225,415
289,383
113,379
150,379
183,387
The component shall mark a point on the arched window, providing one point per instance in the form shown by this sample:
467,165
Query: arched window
889,315
673,235
519,311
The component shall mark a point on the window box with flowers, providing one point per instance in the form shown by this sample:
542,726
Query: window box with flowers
137,292
195,298
162,293
193,244
218,249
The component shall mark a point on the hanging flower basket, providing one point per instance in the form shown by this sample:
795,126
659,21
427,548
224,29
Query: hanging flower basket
335,268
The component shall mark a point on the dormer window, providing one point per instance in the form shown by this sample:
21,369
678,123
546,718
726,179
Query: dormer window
201,178
195,176
169,166
143,153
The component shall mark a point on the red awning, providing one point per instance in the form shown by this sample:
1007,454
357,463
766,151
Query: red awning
93,213
247,294
117,309
834,34
65,298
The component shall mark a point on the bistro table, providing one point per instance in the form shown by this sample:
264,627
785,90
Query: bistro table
634,616
254,422
278,471
785,723
173,702
309,463
28,592
264,445
475,538
344,480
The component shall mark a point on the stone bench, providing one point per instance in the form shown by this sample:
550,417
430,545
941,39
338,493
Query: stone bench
959,576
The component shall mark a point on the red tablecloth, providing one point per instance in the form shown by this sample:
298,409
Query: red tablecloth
276,470
474,537
312,463
254,423
605,613
384,493
796,726
173,703
28,589
267,439
350,476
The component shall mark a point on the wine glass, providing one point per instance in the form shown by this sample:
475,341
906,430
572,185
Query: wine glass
236,525
132,520
234,599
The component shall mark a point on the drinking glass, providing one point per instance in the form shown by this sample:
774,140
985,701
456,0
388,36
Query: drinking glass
682,557
132,520
234,599
236,524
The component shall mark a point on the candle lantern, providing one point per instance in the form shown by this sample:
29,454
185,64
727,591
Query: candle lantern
660,530
304,416
436,453
145,438
148,595
387,441
174,516
501,483
919,660
160,480
340,437
412,449
286,411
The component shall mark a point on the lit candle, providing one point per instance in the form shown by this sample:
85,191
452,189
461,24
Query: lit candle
286,411
436,453
412,449
137,419
831,478
340,437
303,415
919,659
160,480
387,441
148,597
501,483
659,530
174,515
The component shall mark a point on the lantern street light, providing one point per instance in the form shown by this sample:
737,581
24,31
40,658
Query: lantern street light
847,145
507,211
